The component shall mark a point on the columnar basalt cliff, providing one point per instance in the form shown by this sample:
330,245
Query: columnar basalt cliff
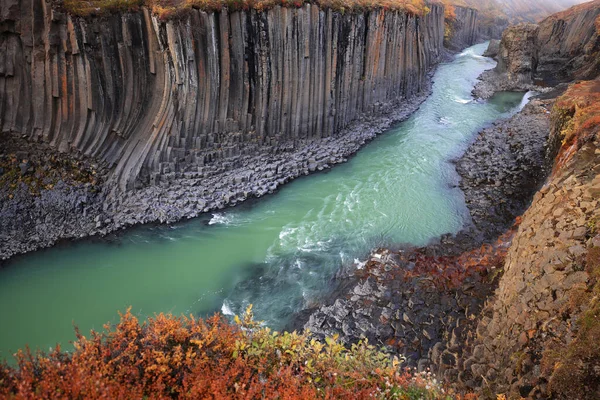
538,335
462,31
570,44
191,114
157,100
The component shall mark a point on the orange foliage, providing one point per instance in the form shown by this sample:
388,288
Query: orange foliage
576,114
177,357
174,8
448,272
449,10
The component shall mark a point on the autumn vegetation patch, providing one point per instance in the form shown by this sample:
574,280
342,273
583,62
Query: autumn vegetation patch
174,8
178,357
576,115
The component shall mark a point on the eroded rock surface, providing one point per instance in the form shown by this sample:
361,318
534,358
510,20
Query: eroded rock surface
537,337
463,29
517,62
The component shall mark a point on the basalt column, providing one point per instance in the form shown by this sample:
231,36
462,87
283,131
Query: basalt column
158,100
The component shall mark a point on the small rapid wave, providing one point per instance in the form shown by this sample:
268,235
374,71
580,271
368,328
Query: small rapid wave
221,219
226,309
445,121
472,54
462,101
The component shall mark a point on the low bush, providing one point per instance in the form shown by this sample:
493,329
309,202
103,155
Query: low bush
576,115
177,357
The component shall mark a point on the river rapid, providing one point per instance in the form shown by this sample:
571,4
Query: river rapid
278,253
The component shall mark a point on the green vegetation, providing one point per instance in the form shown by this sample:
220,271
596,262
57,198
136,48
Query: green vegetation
39,174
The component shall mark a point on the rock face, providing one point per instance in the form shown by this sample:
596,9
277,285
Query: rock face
493,49
533,339
491,28
561,48
569,44
517,57
518,54
463,30
157,100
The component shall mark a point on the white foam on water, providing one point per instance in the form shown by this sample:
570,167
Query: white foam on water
285,232
462,101
225,309
466,53
359,264
526,98
221,219
445,121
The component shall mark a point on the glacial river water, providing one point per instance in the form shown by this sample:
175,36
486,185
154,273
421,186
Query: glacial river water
278,253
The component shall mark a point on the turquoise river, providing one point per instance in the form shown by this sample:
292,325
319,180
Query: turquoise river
278,253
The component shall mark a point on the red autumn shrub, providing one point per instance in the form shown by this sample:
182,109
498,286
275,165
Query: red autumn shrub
178,357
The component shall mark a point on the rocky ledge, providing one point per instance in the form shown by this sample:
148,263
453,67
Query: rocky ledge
517,56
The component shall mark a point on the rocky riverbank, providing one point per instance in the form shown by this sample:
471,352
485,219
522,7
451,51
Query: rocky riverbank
71,210
423,302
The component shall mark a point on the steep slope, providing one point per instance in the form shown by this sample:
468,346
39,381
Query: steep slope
538,336
462,30
155,98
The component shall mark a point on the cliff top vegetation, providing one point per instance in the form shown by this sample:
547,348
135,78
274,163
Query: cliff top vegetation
490,10
577,115
172,8
177,357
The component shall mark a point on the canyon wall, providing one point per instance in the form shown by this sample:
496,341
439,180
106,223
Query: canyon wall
462,30
160,100
563,47
518,55
165,120
569,44
538,336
